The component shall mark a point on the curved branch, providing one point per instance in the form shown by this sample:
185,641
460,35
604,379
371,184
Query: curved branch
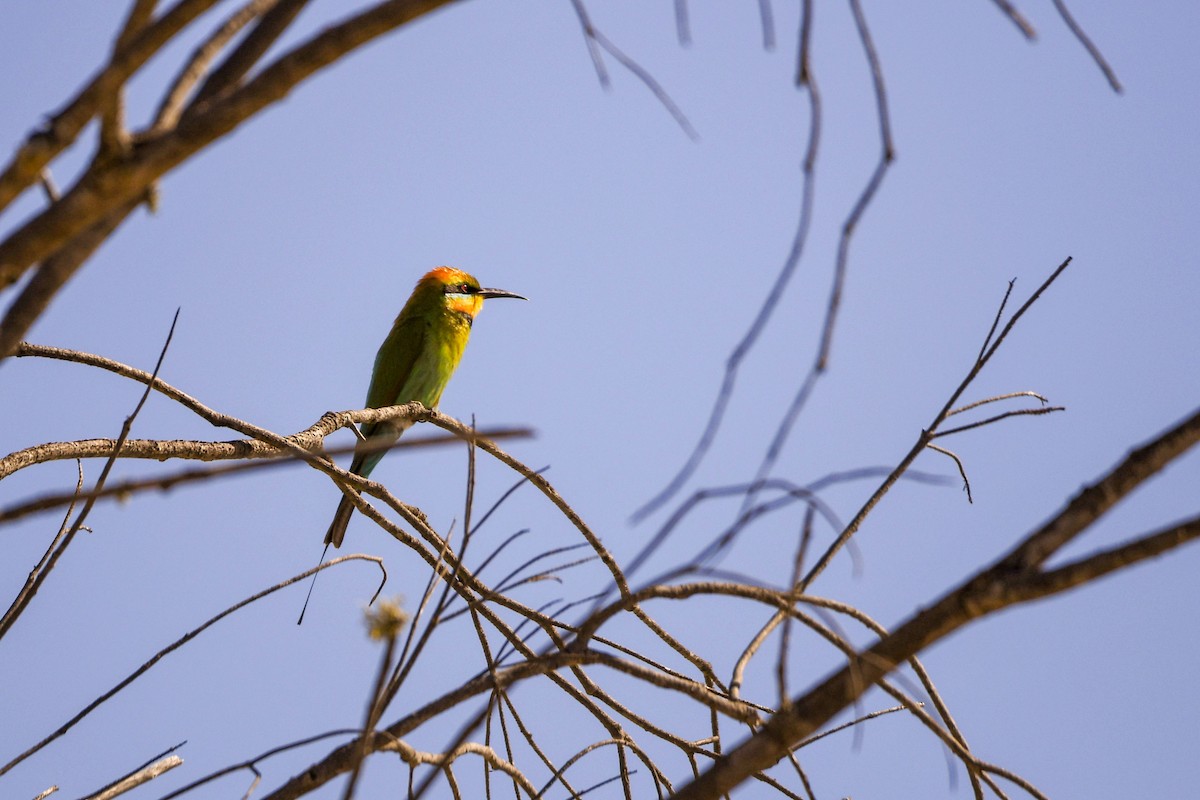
65,126
187,637
1013,579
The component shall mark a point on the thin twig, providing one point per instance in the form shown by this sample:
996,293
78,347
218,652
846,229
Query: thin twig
987,340
268,457
850,724
683,28
1023,412
151,768
187,637
25,596
249,764
1014,16
996,399
769,304
643,75
1109,74
961,469
927,434
171,106
767,17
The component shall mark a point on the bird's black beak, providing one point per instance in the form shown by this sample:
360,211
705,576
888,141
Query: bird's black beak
499,293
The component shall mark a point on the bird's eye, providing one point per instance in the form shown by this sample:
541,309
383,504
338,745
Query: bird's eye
465,288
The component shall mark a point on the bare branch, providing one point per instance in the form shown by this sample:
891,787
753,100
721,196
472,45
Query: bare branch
62,129
585,22
274,21
961,470
1089,45
1093,501
163,762
1016,18
26,595
683,27
114,138
172,104
1013,579
595,37
109,184
996,399
178,643
1022,412
927,435
767,16
769,304
887,153
53,273
1097,565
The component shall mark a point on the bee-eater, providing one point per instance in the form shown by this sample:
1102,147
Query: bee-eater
415,362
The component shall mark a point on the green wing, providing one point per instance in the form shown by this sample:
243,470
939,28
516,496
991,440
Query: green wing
394,363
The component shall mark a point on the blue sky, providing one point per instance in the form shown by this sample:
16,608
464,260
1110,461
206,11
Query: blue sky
479,138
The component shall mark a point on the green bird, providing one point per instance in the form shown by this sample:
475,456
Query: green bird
415,362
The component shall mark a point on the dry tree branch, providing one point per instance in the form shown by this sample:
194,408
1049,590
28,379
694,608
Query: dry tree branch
250,763
415,757
266,457
409,653
1089,45
804,79
149,770
338,761
1102,563
785,636
114,138
384,623
272,23
467,585
595,38
543,486
824,349
138,778
52,275
1022,412
887,154
171,106
958,463
593,690
774,295
996,398
767,17
25,596
463,583
180,642
683,25
1016,18
593,47
845,725
64,527
789,493
109,188
560,773
990,347
784,603
1015,578
63,128
496,706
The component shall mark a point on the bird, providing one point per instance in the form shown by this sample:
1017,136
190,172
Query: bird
415,362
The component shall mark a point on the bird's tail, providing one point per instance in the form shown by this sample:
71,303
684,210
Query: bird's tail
337,528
